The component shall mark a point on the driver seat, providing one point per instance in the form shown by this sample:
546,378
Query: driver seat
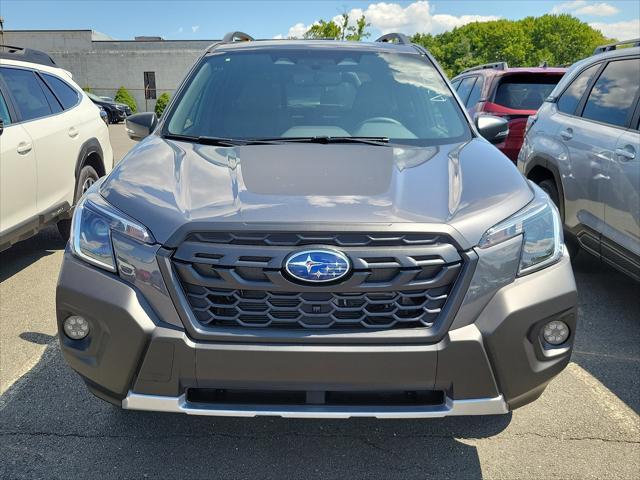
372,100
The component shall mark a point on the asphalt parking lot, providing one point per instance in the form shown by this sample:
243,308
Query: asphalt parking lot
586,425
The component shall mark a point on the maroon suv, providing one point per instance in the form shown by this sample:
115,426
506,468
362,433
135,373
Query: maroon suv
512,93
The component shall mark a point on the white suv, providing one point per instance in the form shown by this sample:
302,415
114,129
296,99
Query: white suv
53,144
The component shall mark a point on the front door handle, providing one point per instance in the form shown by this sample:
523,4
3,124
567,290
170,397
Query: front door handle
24,148
626,153
73,132
567,134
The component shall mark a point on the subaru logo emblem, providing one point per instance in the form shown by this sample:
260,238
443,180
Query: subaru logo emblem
317,266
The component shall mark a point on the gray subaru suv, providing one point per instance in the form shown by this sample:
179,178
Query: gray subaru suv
583,148
316,229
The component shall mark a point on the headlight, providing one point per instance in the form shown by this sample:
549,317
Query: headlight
541,230
93,222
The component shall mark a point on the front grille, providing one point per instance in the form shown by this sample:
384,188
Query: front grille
256,308
233,280
290,239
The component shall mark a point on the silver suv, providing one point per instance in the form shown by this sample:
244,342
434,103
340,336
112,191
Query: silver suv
583,149
316,229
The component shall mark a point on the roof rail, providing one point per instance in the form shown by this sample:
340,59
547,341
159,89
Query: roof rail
496,65
399,38
26,55
237,37
614,46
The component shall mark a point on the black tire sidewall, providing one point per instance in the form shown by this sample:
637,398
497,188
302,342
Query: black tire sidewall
550,189
86,172
64,226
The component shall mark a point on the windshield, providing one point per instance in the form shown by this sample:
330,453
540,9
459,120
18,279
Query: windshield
94,97
280,94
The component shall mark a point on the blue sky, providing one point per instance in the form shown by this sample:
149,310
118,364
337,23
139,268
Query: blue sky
202,19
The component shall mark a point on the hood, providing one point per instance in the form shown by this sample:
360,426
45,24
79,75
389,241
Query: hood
169,185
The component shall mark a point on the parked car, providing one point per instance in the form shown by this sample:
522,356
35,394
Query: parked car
116,112
510,93
582,148
337,240
53,145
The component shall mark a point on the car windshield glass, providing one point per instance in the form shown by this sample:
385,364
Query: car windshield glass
525,92
279,94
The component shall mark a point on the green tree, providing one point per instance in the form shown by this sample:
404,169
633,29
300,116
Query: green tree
560,39
161,104
342,31
357,32
123,96
557,39
323,29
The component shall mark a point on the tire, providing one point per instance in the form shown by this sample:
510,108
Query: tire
87,177
549,187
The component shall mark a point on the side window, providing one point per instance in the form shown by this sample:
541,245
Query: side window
612,97
68,96
51,98
27,93
4,111
465,88
569,100
475,93
455,84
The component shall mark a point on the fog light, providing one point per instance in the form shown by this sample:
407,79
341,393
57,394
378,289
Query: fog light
75,327
555,332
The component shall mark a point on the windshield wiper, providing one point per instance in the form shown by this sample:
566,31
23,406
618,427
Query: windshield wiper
234,142
205,140
321,139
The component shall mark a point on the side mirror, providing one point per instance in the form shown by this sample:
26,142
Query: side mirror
493,129
104,116
140,125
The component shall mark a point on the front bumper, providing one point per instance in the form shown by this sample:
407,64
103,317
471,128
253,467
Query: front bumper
138,355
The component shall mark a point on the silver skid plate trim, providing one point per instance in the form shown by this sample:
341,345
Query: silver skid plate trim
480,406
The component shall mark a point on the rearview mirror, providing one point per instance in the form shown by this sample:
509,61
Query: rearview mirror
140,125
493,129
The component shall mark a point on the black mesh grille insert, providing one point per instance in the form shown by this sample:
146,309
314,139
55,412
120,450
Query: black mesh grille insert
249,308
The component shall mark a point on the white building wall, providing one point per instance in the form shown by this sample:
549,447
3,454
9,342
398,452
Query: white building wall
105,65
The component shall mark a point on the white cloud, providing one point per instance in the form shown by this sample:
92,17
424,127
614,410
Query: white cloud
568,6
195,28
598,10
582,7
417,17
625,30
298,30
449,22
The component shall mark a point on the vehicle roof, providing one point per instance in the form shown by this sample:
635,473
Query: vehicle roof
619,52
496,72
36,66
319,44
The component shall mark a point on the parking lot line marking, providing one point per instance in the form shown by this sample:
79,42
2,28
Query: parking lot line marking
610,402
